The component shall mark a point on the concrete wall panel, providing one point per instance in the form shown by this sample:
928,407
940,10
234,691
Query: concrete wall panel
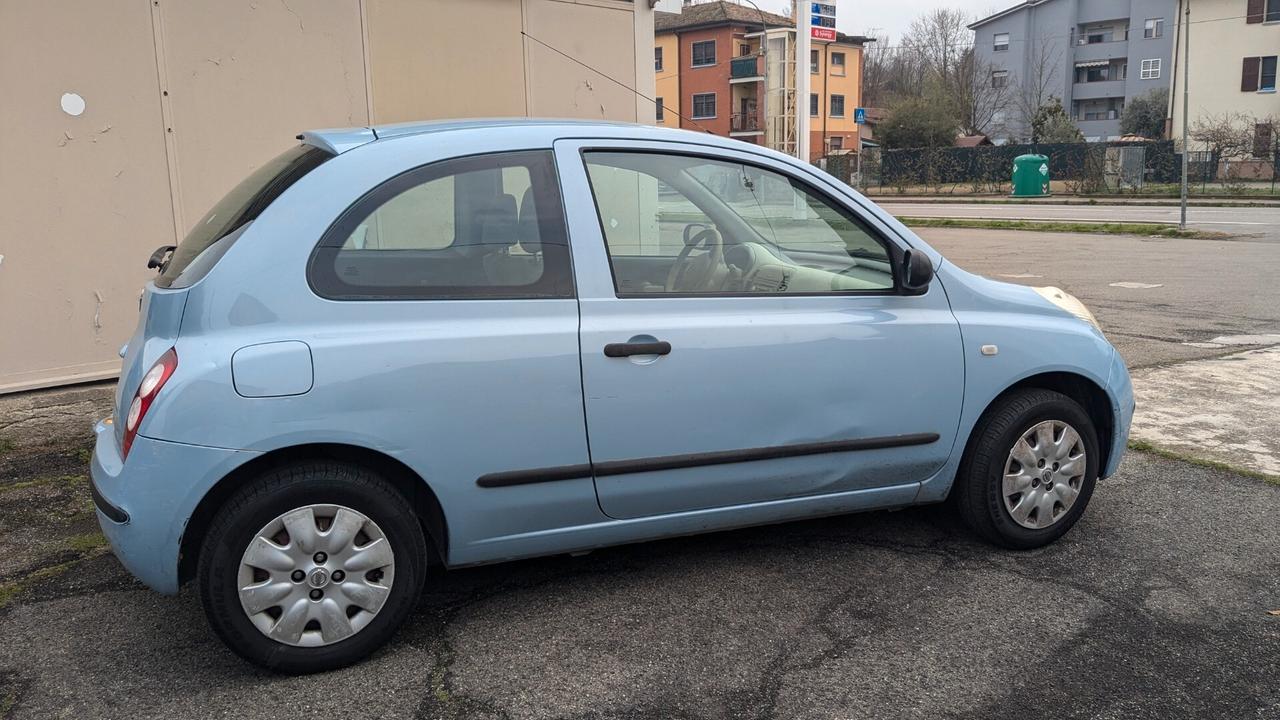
84,199
433,60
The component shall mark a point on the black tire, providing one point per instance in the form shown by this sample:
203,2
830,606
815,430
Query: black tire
978,491
268,497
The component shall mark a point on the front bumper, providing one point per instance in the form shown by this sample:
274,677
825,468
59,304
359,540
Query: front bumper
1120,387
143,506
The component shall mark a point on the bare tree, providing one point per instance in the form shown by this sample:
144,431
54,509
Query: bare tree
940,38
1042,81
979,96
1227,135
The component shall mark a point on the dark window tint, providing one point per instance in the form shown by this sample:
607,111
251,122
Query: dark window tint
813,104
837,106
488,226
245,202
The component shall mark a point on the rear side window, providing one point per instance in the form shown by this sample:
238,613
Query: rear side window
239,207
486,226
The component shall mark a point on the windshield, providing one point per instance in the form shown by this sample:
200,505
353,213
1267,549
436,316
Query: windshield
240,206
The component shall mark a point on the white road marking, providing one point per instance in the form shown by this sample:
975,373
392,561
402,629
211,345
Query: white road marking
1136,285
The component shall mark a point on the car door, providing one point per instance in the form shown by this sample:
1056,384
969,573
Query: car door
784,363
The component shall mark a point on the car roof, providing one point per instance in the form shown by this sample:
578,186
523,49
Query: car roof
340,140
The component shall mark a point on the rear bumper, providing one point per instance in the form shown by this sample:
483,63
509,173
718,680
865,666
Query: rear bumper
143,506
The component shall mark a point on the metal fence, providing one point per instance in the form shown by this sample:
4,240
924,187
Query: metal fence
1087,167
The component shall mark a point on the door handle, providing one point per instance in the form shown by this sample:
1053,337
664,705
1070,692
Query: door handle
627,349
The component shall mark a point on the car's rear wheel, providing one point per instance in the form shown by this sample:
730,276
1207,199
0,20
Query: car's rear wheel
1029,470
311,567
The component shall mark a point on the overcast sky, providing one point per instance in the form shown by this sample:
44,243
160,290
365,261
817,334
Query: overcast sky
891,16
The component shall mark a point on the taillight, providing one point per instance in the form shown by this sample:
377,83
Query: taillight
150,386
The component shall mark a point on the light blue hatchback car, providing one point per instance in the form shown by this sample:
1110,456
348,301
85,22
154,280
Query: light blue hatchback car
469,342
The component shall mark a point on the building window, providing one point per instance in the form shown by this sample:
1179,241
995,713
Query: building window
1124,71
813,61
657,59
836,142
744,50
1001,42
837,106
658,103
813,104
1153,28
1259,74
999,78
837,63
704,106
1262,11
1268,75
704,53
1150,69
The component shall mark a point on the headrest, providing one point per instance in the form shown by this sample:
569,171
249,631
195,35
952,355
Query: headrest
497,223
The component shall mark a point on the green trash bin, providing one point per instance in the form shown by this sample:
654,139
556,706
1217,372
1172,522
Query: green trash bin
1030,176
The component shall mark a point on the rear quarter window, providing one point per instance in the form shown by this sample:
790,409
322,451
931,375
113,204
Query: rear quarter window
234,211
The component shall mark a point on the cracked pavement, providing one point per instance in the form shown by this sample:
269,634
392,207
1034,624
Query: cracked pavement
1154,606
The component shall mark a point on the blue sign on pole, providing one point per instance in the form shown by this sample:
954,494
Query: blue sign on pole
860,116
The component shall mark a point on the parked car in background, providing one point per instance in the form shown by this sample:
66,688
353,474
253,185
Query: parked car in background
471,342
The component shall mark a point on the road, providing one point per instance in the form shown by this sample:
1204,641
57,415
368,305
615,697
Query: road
1261,221
1154,606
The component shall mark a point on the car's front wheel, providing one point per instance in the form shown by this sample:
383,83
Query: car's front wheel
1029,470
311,567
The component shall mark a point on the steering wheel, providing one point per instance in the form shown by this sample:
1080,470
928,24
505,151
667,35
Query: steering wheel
688,273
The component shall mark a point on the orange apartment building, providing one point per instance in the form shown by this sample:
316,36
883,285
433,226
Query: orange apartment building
710,74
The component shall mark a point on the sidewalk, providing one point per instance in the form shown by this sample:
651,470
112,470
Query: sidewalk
1224,409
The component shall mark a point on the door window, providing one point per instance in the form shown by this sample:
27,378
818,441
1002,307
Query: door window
678,224
479,227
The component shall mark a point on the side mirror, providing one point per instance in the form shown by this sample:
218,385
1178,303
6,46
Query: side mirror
917,272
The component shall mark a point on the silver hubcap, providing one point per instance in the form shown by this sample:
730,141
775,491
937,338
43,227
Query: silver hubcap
316,575
1043,474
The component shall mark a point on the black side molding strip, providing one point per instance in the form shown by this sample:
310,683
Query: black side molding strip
113,513
536,475
690,460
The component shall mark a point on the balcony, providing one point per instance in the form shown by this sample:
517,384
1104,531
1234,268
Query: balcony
1097,89
745,69
745,124
1114,50
1099,130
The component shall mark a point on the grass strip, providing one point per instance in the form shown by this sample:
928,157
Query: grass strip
1102,228
1143,446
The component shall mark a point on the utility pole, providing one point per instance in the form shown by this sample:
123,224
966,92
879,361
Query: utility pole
802,79
1186,104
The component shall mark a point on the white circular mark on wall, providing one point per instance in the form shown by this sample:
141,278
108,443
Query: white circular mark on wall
72,104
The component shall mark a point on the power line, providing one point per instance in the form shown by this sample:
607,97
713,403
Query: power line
614,80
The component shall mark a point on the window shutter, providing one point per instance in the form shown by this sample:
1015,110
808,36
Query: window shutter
1249,75
1255,11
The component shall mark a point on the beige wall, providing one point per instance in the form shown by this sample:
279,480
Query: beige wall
1220,40
182,100
667,82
